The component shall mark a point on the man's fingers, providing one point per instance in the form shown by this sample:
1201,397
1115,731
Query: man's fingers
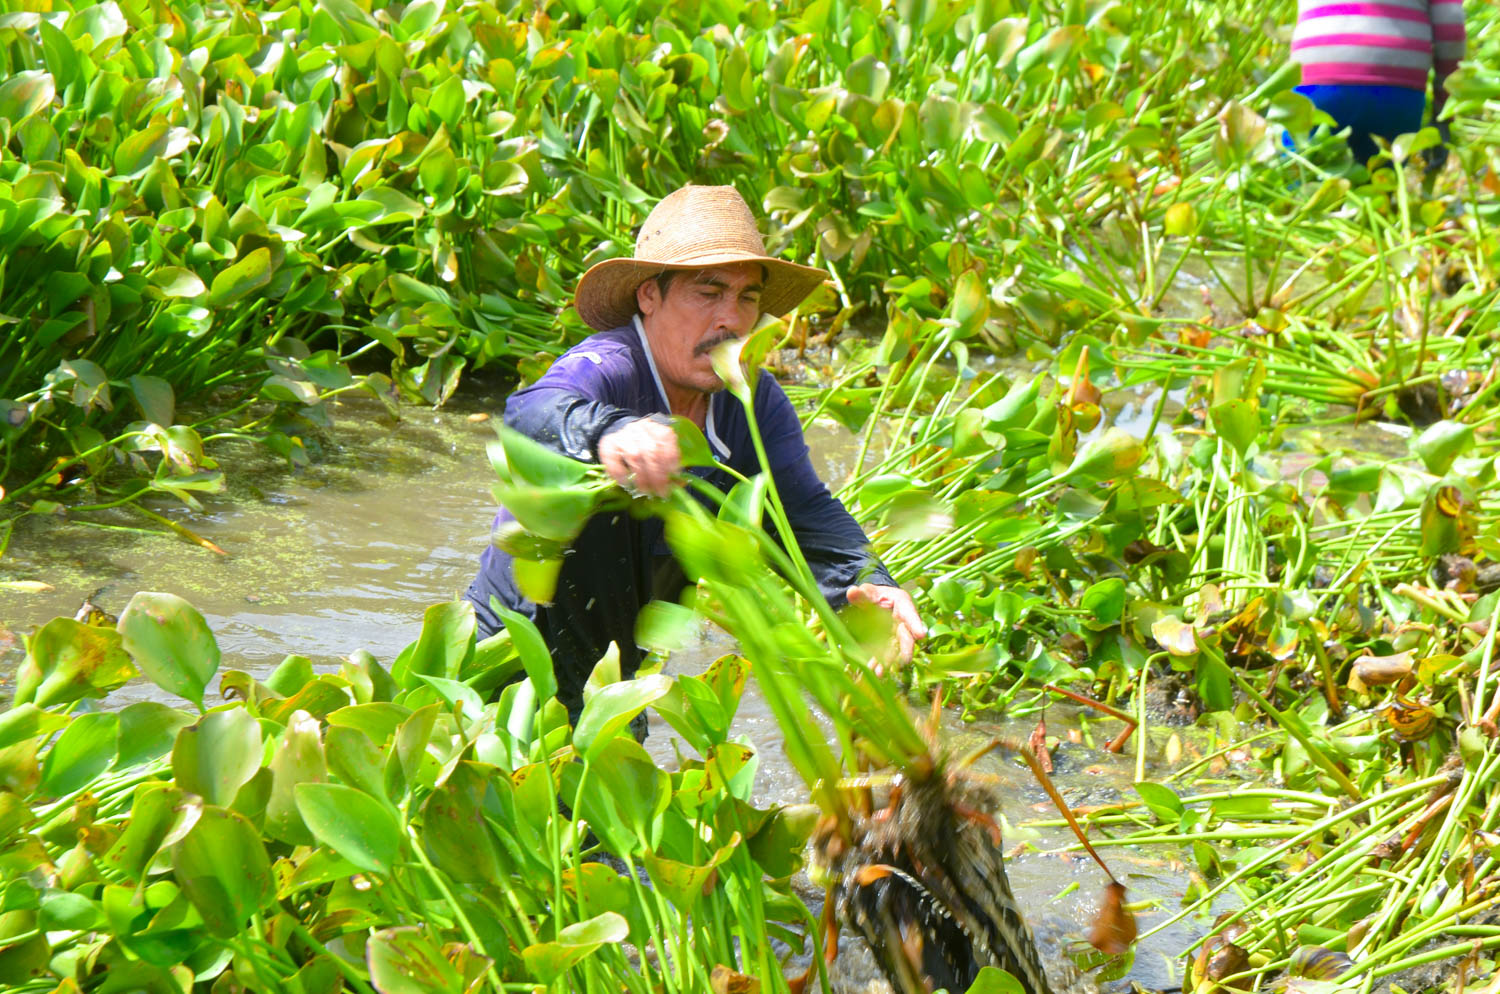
906,615
905,640
643,455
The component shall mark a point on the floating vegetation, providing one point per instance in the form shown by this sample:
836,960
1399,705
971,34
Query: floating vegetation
1115,360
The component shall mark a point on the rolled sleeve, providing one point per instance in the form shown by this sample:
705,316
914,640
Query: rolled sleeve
576,402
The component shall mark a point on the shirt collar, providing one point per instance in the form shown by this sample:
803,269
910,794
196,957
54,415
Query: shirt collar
720,449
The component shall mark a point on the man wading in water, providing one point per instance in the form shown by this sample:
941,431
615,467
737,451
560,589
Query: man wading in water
700,276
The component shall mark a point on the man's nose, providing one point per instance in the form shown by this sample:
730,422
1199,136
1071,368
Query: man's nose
735,315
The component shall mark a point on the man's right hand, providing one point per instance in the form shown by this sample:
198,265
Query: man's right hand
643,456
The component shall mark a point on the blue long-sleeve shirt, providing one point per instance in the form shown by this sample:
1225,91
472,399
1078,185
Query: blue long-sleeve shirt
610,379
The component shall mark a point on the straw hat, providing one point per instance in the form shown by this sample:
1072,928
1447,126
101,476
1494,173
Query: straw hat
696,227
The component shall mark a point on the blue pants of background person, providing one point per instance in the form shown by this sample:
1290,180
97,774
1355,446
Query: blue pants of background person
1367,110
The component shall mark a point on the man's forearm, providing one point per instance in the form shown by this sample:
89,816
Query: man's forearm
567,422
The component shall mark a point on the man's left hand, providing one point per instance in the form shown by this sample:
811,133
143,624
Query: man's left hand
909,627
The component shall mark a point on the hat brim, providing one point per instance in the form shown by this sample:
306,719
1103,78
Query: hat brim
605,297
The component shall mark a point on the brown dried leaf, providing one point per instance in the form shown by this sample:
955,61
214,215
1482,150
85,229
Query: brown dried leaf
726,981
1114,930
1375,671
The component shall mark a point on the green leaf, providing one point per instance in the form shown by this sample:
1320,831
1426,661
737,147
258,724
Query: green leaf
1441,443
25,93
155,398
613,708
665,626
174,281
1111,454
692,446
528,461
447,102
137,152
171,643
241,279
217,756
62,911
298,759
549,960
1104,602
404,960
67,660
537,578
84,750
353,824
154,809
1162,802
27,721
1236,422
993,980
148,730
916,516
532,648
222,868
445,645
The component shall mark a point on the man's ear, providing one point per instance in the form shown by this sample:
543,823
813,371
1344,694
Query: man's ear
647,297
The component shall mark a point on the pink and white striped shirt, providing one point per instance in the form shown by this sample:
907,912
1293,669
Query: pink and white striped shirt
1389,42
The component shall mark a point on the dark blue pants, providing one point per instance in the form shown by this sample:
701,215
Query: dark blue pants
1367,110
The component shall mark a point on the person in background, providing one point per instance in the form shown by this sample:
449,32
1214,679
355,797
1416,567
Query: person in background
1365,63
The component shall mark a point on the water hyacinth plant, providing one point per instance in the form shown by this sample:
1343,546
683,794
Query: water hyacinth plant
376,829
215,219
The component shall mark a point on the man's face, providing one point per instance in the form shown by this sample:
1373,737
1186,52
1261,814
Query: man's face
700,310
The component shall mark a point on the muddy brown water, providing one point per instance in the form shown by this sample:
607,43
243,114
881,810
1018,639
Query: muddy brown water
347,554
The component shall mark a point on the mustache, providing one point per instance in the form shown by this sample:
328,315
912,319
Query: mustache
703,348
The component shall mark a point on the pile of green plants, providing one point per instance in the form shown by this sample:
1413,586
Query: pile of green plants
378,828
215,219
211,211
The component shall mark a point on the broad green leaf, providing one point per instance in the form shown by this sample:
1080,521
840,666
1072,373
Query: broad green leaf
528,461
84,750
686,884
155,809
222,868
217,756
174,281
446,643
148,730
993,980
405,960
537,578
549,960
62,911
1114,453
241,279
1163,802
353,824
25,93
692,446
454,831
27,721
1236,422
1441,443
532,648
298,759
613,708
67,661
171,643
155,398
916,516
1104,602
665,626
